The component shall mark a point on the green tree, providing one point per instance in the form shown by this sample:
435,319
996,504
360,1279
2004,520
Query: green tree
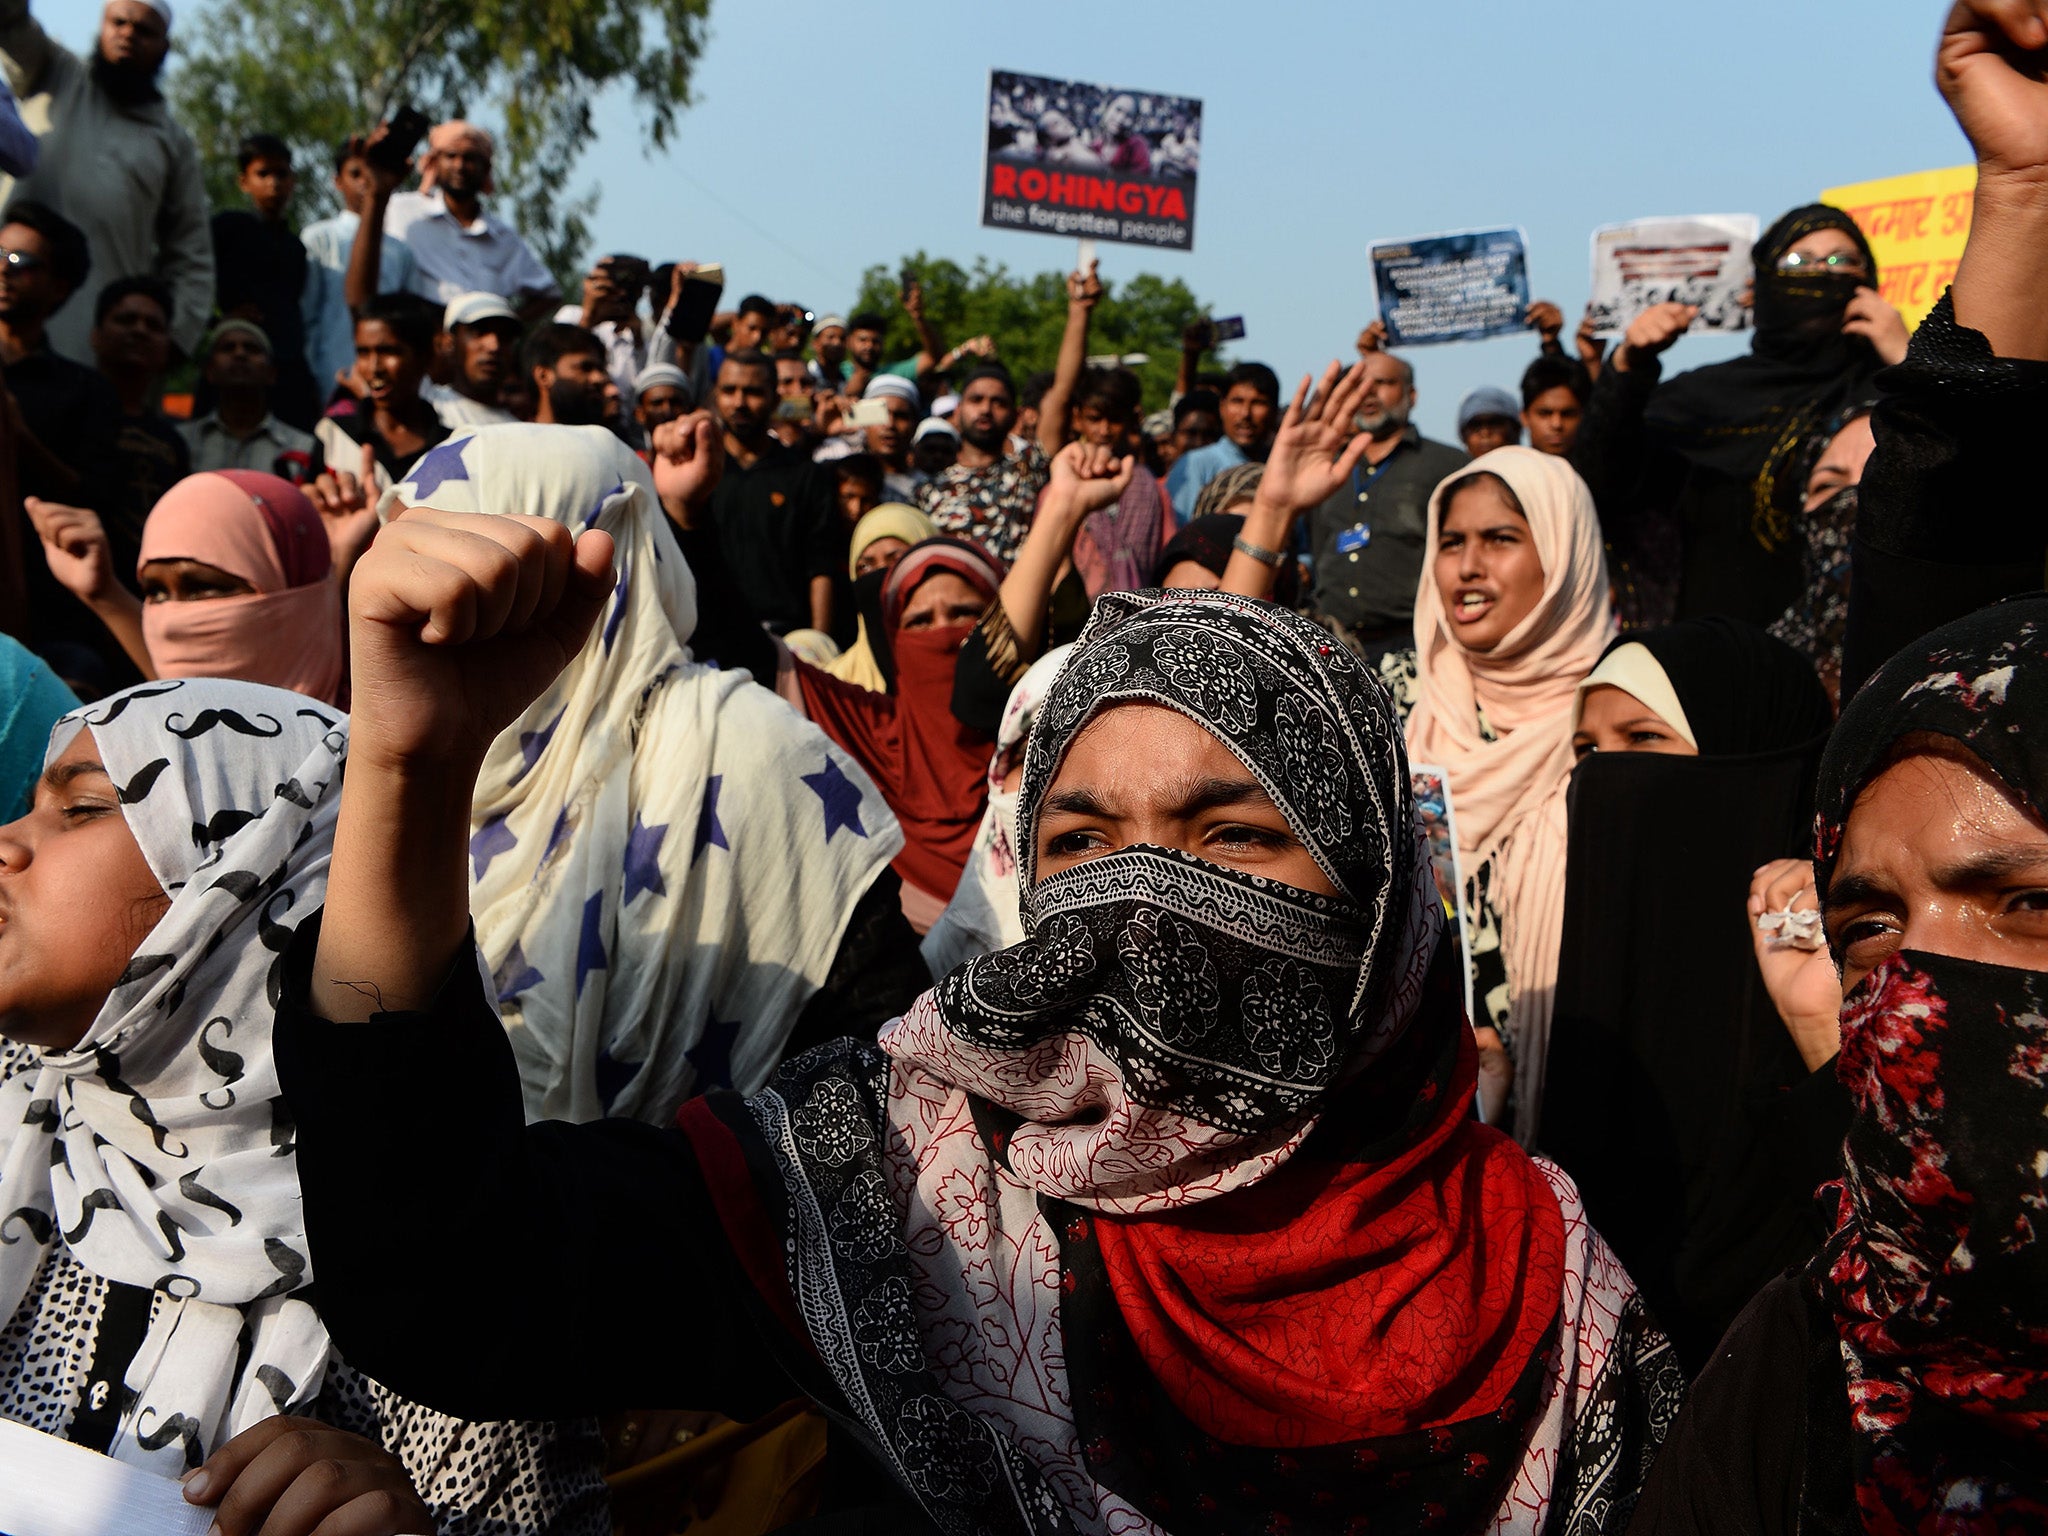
314,71
1025,315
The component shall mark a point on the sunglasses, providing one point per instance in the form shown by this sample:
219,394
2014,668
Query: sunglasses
23,261
1837,261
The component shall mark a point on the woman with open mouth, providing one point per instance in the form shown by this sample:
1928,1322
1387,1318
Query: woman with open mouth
1512,614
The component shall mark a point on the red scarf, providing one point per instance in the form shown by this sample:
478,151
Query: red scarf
931,769
1342,1301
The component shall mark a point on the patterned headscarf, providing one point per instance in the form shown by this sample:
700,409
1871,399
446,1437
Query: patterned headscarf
1937,1273
158,1150
1225,1005
1011,1235
664,856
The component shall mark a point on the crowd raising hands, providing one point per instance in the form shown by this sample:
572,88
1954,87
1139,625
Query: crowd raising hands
978,958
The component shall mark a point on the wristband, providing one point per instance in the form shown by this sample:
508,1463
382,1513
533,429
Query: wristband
1270,558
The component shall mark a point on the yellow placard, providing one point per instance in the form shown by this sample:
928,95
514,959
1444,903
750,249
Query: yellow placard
1916,226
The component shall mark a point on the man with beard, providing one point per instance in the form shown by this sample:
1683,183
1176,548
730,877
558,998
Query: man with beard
572,380
113,161
459,246
778,530
479,349
1250,414
1368,536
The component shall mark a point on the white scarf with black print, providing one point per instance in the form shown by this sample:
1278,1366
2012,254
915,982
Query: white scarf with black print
158,1150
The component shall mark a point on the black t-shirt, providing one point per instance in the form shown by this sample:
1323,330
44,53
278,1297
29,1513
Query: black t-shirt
262,267
778,527
153,458
73,412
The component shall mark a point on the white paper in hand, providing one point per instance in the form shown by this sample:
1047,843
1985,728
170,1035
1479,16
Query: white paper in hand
50,1487
1698,259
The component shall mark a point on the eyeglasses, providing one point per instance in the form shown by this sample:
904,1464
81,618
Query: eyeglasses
23,261
1834,261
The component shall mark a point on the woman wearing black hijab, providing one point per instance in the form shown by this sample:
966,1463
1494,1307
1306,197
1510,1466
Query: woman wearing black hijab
1717,451
1899,1382
1671,1090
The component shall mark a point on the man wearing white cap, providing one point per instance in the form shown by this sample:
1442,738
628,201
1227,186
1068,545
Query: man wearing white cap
461,247
478,351
890,440
828,353
661,393
113,161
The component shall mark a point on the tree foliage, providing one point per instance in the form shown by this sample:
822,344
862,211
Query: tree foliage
1025,315
314,71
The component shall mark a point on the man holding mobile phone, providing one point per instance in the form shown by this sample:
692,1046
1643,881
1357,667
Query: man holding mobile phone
351,258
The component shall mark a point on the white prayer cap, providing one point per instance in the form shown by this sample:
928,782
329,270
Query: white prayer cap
892,386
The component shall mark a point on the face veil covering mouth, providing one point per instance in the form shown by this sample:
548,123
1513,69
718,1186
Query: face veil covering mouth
1220,993
1937,1273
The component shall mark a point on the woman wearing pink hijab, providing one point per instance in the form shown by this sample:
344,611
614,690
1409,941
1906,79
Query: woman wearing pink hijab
237,581
1511,615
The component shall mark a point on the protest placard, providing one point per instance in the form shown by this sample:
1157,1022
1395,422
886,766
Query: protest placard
1432,790
1698,259
1916,226
1464,286
1069,158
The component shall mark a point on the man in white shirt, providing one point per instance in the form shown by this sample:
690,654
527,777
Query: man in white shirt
330,247
457,245
241,433
479,348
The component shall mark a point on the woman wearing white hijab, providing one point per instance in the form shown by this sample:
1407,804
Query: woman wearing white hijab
668,836
155,1280
1511,615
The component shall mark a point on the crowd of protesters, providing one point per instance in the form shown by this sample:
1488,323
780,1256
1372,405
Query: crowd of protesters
889,954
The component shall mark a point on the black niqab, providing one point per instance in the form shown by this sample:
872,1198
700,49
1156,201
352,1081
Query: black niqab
1750,417
1669,1068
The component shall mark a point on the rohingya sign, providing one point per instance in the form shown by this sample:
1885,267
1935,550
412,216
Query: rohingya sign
1069,158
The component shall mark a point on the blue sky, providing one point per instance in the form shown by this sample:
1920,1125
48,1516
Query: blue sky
830,136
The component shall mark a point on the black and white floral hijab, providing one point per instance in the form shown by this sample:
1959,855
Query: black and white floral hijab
159,1150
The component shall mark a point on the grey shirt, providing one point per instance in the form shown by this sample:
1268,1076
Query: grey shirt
1367,538
127,175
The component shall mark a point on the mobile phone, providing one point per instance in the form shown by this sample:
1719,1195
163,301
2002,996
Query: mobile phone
868,413
402,135
903,281
628,273
1231,328
793,408
690,320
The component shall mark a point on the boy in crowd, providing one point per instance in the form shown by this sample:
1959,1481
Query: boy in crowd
259,271
350,252
1488,419
1554,395
395,336
131,341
